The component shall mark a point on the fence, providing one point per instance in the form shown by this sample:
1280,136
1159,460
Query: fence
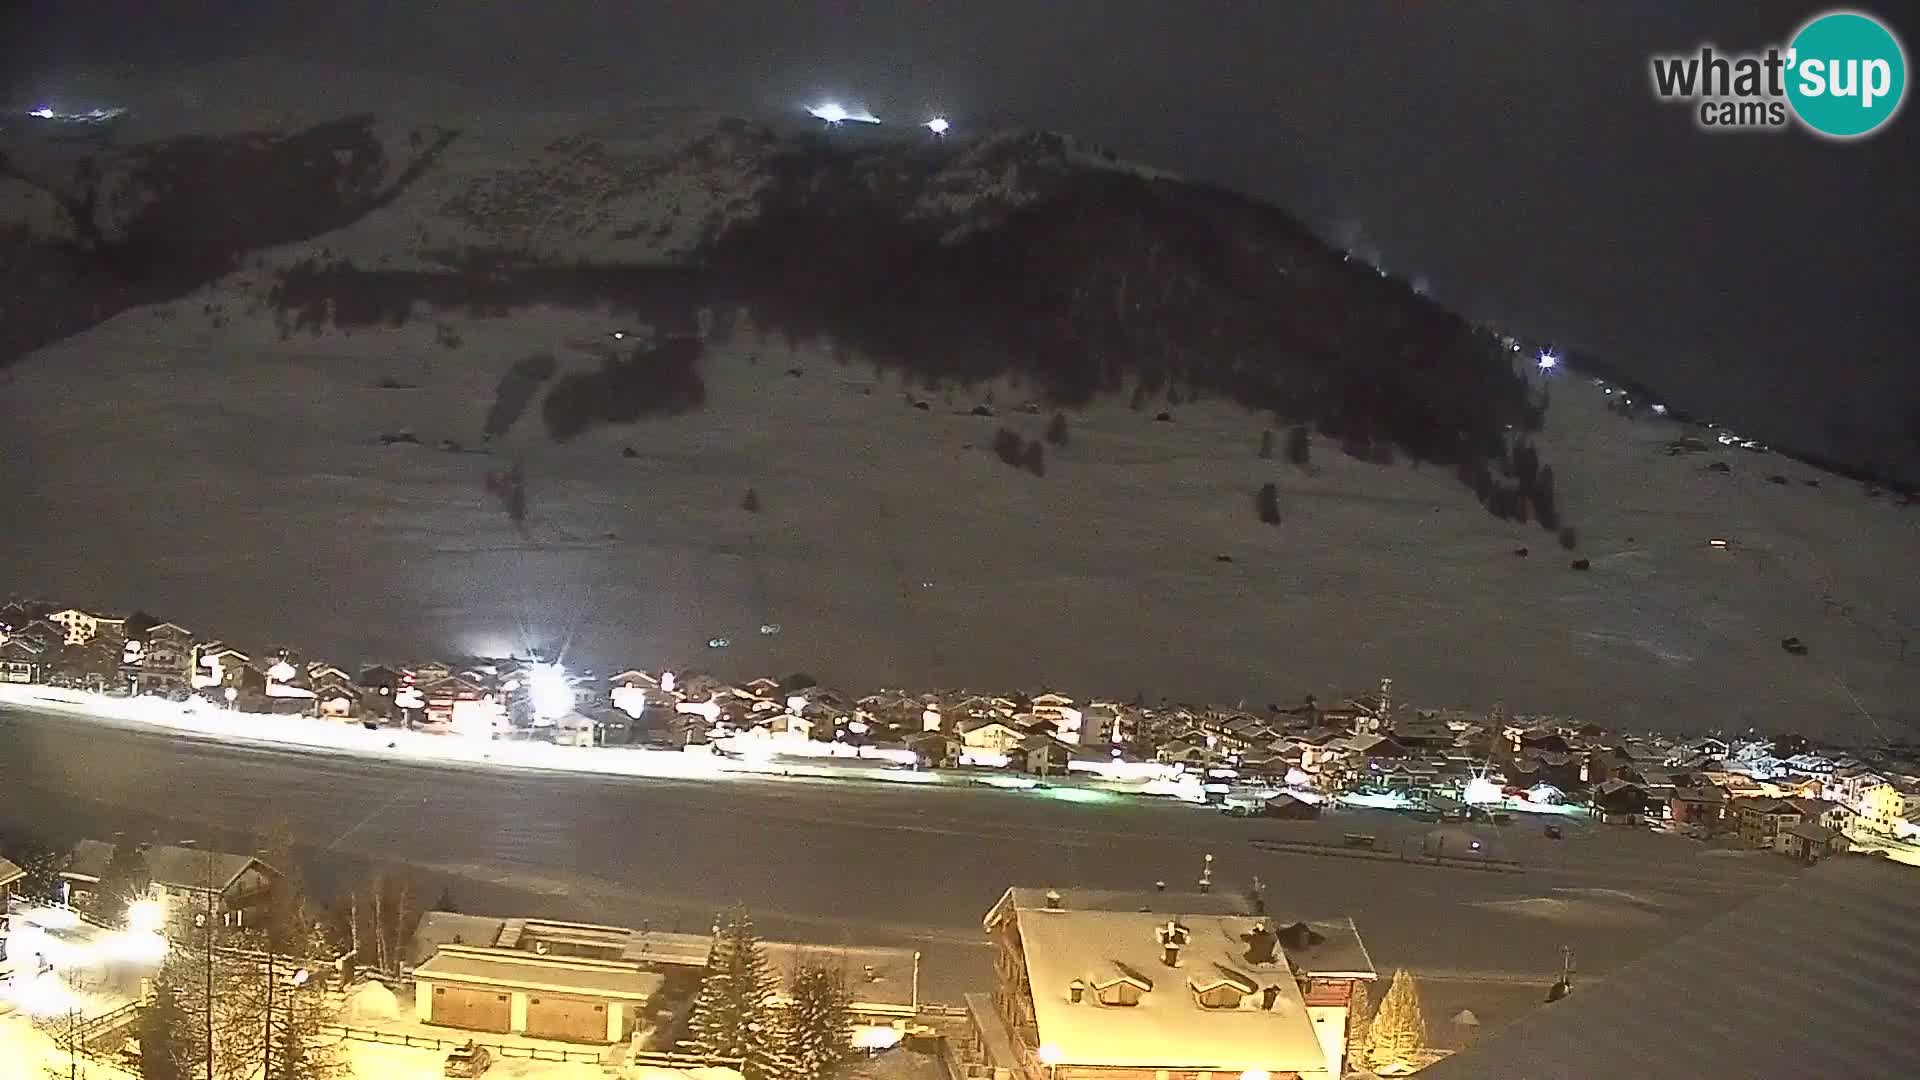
1347,850
682,1061
425,1042
84,1033
527,1053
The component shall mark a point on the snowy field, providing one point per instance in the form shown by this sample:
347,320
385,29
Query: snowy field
236,484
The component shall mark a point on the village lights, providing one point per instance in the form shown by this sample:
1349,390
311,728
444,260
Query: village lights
938,125
549,691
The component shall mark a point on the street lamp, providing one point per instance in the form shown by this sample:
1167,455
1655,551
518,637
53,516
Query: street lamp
204,919
1050,1057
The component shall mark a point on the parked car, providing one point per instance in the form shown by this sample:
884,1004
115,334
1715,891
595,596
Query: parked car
1237,810
468,1060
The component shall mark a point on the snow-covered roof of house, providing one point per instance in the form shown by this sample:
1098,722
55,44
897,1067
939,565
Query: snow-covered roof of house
1711,1003
561,975
176,867
439,928
9,873
1338,950
1169,1027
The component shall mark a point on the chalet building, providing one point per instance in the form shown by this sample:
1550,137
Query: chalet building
462,703
220,667
238,886
21,661
10,878
82,627
1043,755
996,736
1084,994
1825,814
1705,806
161,660
935,749
1809,843
335,696
1762,820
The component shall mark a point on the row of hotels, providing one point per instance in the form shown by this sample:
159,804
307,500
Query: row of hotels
1782,794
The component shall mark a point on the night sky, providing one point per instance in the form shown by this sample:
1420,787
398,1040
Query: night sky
1511,154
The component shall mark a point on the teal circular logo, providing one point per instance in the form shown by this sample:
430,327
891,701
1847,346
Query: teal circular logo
1847,74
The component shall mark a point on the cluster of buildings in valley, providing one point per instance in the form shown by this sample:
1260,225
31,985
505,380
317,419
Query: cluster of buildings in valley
1276,761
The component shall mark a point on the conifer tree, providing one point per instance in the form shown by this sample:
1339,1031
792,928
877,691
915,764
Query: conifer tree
1399,1032
1360,1024
734,1015
819,1034
166,1046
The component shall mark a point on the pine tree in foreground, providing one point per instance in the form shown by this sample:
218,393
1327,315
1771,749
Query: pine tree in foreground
734,1015
1359,1024
1399,1032
165,1048
819,1027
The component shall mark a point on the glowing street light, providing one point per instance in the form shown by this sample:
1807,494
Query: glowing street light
549,691
1547,360
146,916
1050,1057
43,112
938,125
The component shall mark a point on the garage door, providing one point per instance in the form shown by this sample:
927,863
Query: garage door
574,1019
474,1010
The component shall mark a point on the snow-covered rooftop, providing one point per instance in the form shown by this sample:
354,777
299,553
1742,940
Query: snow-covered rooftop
560,975
1169,1027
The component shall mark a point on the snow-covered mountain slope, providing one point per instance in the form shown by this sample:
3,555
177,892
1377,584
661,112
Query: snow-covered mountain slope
212,451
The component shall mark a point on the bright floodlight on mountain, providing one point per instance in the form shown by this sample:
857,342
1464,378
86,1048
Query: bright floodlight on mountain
43,112
938,125
833,113
1548,360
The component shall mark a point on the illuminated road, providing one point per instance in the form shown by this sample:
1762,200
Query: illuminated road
839,861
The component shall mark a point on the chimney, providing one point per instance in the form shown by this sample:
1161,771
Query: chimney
1053,900
1260,944
1268,996
1159,886
1173,938
1076,991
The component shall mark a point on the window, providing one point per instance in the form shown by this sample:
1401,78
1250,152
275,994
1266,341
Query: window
1224,996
